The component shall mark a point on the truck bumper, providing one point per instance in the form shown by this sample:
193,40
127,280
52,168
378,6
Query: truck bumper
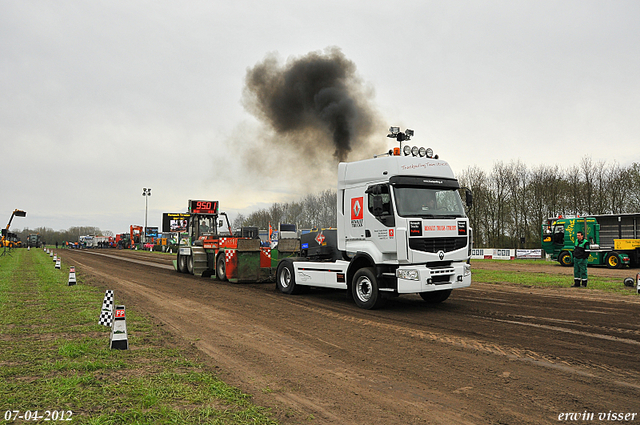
433,279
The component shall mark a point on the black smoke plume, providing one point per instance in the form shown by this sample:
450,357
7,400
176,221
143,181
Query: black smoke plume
316,102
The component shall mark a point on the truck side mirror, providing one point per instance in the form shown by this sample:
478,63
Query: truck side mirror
469,198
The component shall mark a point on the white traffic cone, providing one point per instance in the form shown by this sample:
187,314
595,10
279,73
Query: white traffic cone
118,339
72,276
55,257
50,253
58,263
106,313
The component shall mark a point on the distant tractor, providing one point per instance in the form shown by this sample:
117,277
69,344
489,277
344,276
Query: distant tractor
34,240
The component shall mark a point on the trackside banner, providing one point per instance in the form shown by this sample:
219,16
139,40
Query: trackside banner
493,254
529,253
505,254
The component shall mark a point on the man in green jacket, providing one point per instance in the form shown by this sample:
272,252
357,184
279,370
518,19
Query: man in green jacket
580,256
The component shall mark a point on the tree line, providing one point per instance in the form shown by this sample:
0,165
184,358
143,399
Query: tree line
511,201
50,236
313,211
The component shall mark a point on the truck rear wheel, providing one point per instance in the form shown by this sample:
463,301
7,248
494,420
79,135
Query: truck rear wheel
565,259
365,289
221,273
286,278
613,260
435,297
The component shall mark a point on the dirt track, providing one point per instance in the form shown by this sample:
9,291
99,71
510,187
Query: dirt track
490,354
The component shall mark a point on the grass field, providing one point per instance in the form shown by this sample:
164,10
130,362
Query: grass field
55,359
481,273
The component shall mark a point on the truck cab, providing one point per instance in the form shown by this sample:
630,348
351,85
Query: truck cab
405,216
402,228
559,237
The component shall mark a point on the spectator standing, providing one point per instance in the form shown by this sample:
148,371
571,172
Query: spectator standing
580,256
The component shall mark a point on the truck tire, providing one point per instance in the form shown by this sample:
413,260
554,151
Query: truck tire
365,289
178,263
612,260
286,278
221,273
190,264
435,297
182,263
565,259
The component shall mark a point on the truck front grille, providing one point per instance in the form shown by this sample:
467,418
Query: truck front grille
437,244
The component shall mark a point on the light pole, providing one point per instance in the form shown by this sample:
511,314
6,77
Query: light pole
146,192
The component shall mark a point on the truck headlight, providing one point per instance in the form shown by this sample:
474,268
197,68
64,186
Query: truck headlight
467,269
407,274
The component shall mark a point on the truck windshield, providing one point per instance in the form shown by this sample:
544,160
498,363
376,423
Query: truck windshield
206,225
428,203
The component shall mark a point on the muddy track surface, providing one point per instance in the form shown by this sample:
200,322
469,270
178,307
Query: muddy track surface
490,354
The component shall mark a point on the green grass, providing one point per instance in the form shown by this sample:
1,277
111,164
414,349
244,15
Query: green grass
55,356
543,279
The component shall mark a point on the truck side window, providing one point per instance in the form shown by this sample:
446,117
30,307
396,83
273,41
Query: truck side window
379,204
558,234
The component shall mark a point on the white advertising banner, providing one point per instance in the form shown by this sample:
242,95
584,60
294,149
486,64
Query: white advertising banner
529,253
493,254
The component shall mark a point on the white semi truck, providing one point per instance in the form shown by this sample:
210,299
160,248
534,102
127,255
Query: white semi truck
402,228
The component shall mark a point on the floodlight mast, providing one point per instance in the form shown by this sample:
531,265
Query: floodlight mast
394,133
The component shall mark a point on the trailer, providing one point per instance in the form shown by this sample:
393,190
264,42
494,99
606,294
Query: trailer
614,239
402,228
227,256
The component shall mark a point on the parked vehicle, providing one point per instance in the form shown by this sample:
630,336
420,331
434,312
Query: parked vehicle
614,239
402,228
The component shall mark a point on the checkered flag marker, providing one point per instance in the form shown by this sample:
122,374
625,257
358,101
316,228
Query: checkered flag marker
106,315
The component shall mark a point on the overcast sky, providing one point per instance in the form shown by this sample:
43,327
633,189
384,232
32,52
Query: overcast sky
99,99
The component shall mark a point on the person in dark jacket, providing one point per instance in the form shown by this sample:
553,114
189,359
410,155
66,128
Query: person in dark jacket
580,256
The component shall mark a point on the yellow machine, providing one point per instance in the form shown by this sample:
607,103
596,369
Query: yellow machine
10,240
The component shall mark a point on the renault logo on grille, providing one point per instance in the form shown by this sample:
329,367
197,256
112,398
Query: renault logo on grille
441,255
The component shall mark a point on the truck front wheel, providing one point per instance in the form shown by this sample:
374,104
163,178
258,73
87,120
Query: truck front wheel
365,289
182,263
178,263
190,264
565,259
